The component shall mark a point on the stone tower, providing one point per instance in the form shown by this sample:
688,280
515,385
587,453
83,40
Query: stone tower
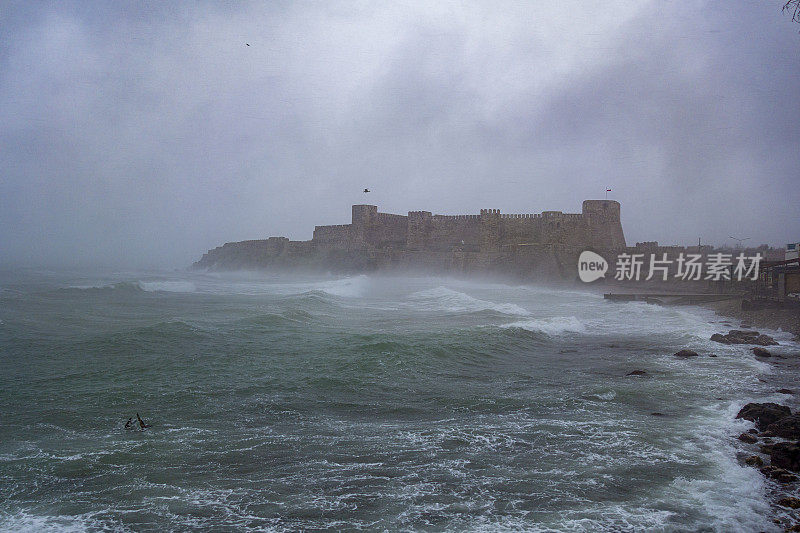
604,223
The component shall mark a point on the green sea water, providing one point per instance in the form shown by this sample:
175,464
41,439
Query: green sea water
365,402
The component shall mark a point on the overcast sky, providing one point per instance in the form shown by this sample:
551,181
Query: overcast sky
136,134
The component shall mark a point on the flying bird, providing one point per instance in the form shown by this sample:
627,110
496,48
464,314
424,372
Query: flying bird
366,190
248,44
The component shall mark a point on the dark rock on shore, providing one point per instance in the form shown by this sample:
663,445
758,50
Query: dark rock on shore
761,352
789,501
784,455
787,427
763,414
748,438
754,460
686,353
637,373
719,337
778,474
739,336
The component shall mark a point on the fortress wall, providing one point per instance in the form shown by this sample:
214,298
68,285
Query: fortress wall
552,227
448,232
420,225
244,254
521,230
491,230
276,245
567,230
388,229
376,239
339,235
299,247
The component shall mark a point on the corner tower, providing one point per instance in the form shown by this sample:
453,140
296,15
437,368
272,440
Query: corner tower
605,226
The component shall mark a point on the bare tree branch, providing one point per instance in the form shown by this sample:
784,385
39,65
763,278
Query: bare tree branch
793,7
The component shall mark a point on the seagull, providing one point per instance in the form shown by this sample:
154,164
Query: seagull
366,190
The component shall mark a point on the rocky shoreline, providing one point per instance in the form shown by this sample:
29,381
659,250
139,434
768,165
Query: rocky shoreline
772,318
773,445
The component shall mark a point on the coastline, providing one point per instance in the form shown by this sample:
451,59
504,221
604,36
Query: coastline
784,381
787,320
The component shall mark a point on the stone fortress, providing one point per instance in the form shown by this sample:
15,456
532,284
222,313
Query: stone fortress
524,245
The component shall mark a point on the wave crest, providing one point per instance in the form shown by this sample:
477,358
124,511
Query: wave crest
167,286
444,299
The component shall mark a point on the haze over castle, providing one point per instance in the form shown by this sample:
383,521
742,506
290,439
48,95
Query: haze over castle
545,243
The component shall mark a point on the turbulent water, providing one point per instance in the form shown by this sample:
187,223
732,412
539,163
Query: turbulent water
365,402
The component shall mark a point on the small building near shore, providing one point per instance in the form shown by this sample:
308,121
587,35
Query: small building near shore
780,280
792,250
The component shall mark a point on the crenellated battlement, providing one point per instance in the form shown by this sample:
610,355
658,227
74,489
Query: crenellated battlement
457,217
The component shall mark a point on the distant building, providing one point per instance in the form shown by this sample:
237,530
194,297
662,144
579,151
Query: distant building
792,250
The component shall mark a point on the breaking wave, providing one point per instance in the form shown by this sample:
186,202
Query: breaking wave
444,299
551,326
167,286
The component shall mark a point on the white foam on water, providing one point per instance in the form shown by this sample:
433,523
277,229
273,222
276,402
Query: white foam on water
443,299
167,286
25,522
553,326
347,287
353,287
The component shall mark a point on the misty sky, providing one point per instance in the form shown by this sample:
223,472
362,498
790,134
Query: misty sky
136,134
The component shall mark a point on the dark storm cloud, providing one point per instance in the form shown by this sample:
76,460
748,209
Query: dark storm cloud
144,134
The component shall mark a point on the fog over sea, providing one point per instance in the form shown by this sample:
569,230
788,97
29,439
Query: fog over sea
396,403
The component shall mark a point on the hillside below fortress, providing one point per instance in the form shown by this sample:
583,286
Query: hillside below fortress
543,244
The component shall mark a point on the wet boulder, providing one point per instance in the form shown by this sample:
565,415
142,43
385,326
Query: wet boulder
787,427
720,338
754,460
749,438
761,352
789,501
763,414
765,340
785,455
778,474
743,336
686,353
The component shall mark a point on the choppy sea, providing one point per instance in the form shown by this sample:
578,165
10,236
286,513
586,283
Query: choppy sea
366,402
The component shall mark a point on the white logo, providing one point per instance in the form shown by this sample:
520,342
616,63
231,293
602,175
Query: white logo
591,266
